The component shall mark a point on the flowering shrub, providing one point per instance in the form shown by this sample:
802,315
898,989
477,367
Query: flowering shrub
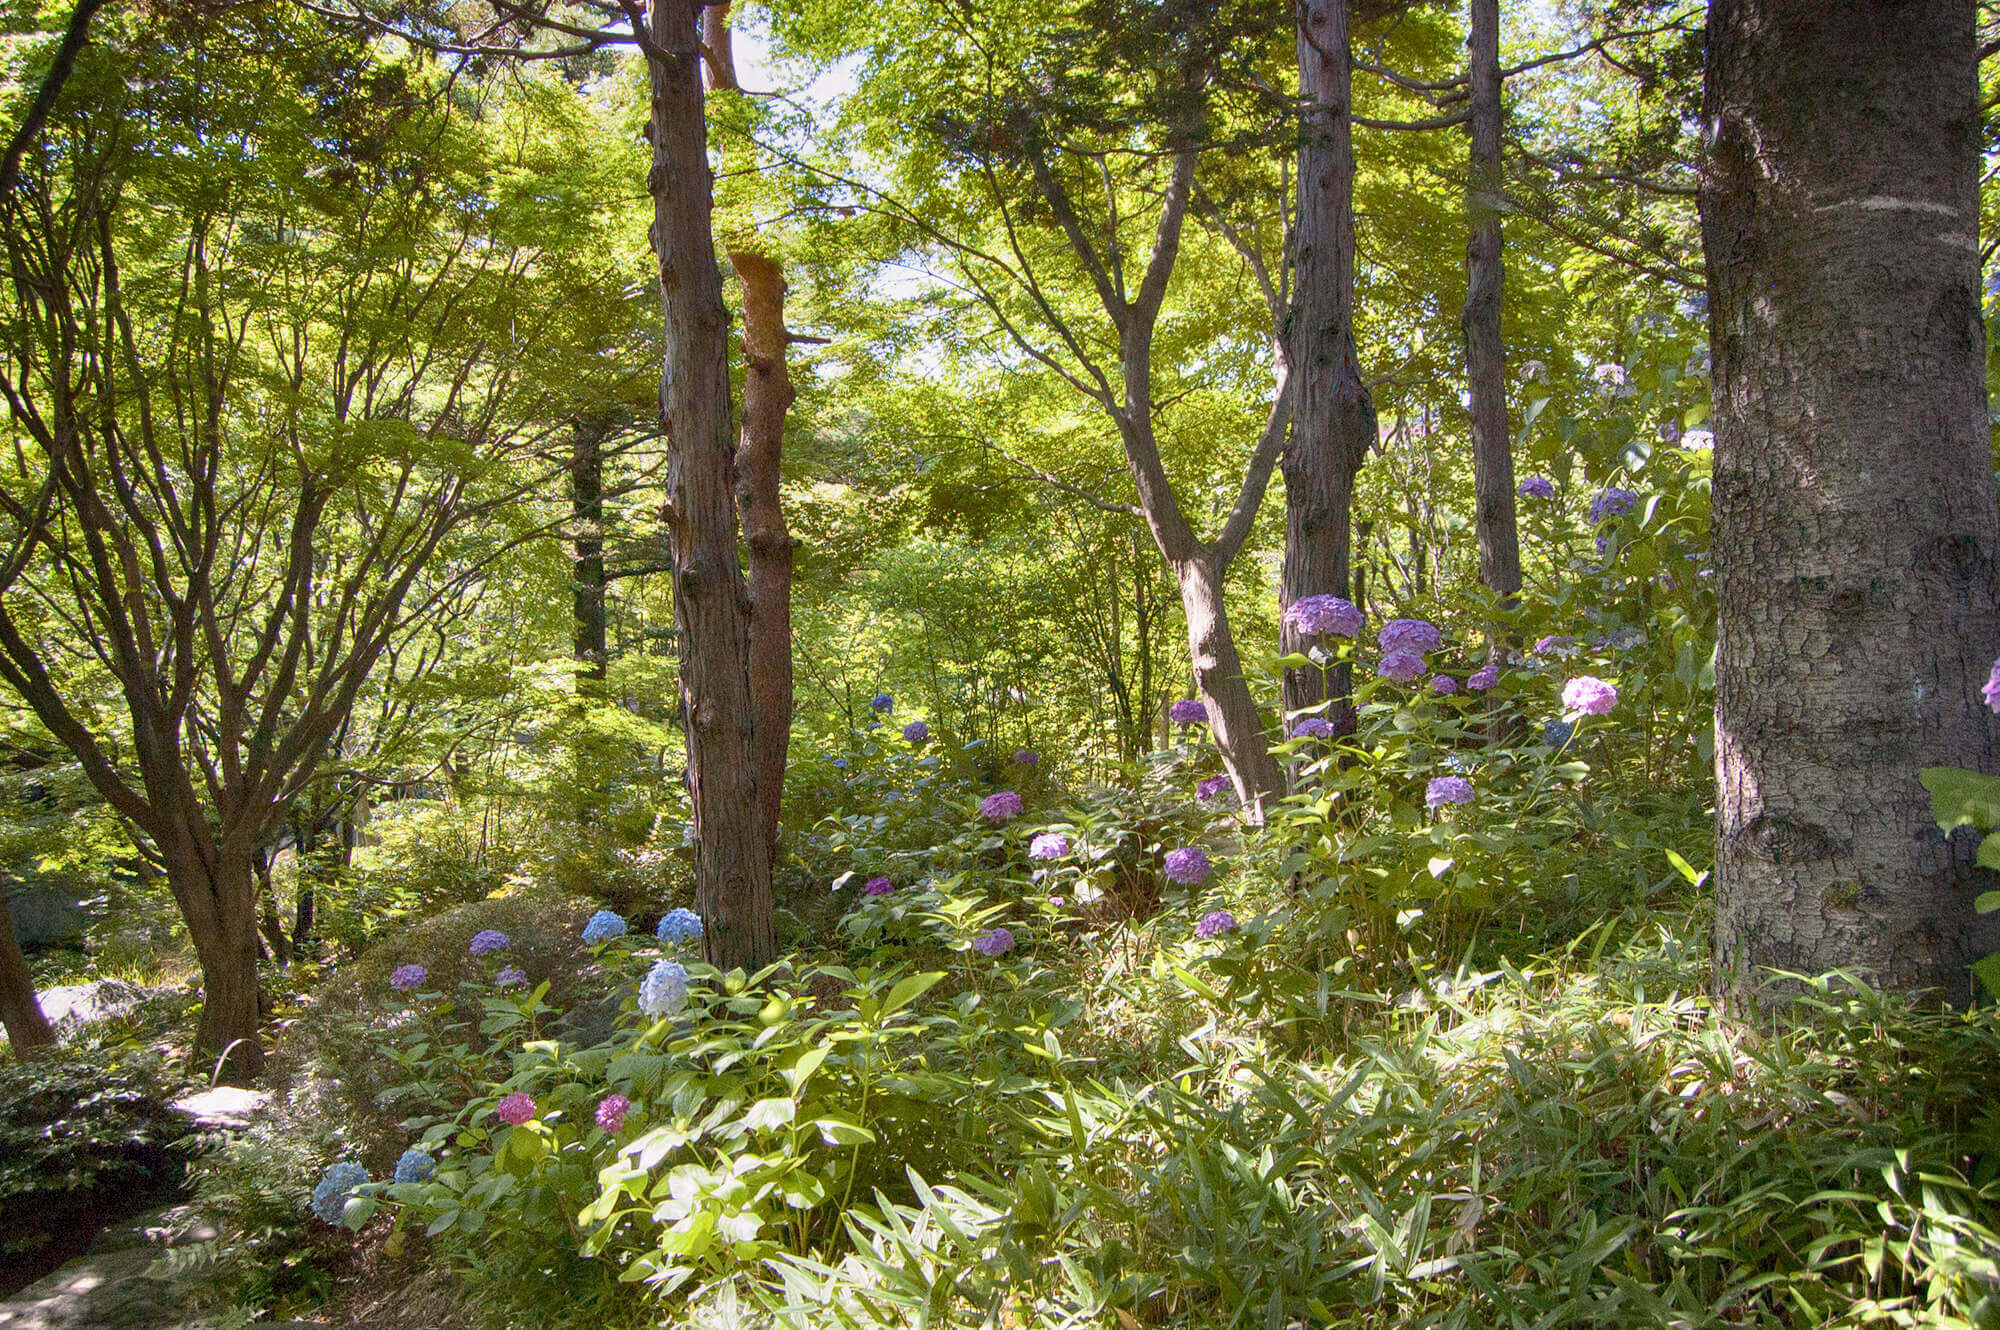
338,1185
1049,845
679,924
664,991
878,886
1401,666
916,732
1188,866
1215,924
603,926
1536,487
1444,790
1591,696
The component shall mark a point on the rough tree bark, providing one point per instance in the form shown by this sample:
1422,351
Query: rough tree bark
711,601
1485,354
28,1032
586,497
1333,418
1856,528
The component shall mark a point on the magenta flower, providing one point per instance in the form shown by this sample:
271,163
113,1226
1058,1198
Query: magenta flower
1593,697
1991,692
1001,807
1188,711
1417,637
1402,666
515,1109
878,886
408,977
1317,615
611,1111
1443,685
1049,845
1483,678
1187,866
1448,790
1214,924
1211,787
994,942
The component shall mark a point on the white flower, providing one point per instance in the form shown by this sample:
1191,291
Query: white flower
664,991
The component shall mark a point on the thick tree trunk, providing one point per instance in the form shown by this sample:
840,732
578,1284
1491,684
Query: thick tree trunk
1333,419
767,396
1856,528
1218,675
217,893
1485,355
28,1032
586,497
711,602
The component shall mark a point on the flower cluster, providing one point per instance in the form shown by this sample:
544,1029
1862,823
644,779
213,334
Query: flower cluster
1991,692
515,1109
1188,711
1417,637
1211,787
1611,502
1593,697
1049,845
511,977
1536,487
1483,678
1313,727
1188,866
916,732
335,1187
414,1166
1401,666
664,990
1001,807
1026,758
1214,924
611,1111
994,942
882,702
1557,733
878,886
679,924
603,925
407,977
1443,685
1554,646
487,941
1448,790
1316,615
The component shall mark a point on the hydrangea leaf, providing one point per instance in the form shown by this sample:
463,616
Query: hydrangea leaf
1989,852
1986,902
1961,798
1987,968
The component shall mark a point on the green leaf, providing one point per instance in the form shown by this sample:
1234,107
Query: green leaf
1987,969
909,990
770,1114
1989,852
1986,902
1961,798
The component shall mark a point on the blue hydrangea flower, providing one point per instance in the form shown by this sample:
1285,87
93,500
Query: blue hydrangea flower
1188,711
1557,733
415,1166
679,924
336,1186
603,925
916,732
1187,866
664,990
840,764
1610,502
882,702
1448,790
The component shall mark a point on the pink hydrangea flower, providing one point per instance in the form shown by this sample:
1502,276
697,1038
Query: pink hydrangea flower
1001,807
1593,697
516,1109
1991,692
611,1111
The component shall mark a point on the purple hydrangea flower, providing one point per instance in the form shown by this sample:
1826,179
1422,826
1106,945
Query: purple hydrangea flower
1049,845
603,925
878,886
611,1111
994,942
679,924
511,977
1414,637
1402,666
1188,711
1991,692
1670,431
487,941
1026,758
1313,727
1187,866
407,977
1443,685
882,702
515,1109
1001,807
1316,615
1611,501
1593,697
1211,787
1536,487
1214,924
1448,790
1554,646
916,732
1483,678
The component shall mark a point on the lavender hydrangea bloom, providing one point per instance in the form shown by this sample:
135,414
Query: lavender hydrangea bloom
1483,678
1414,637
1026,758
1448,790
1402,666
1211,787
603,925
1536,487
1315,615
487,941
414,1166
1443,685
1001,807
664,990
339,1182
1991,692
611,1111
1187,866
511,977
1214,924
994,942
407,977
515,1109
878,886
1610,502
1557,733
1670,431
1555,646
1313,727
1049,845
1188,711
882,702
679,924
916,732
1610,376
1593,697
1698,440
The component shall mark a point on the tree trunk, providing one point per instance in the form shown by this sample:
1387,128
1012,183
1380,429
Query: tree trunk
1856,528
586,494
767,395
217,893
711,602
1218,675
1485,355
28,1032
1333,419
